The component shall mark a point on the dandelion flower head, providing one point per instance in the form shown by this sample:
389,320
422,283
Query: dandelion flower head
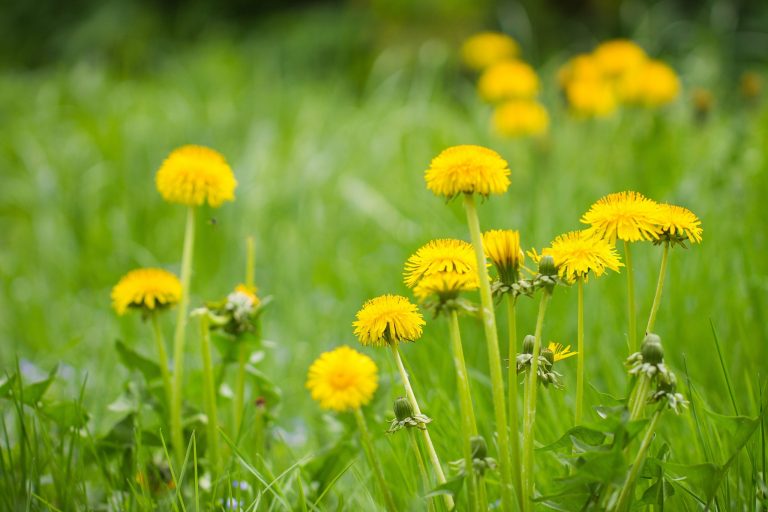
386,319
651,85
193,175
582,67
618,56
502,247
445,285
342,379
517,118
487,48
467,169
441,255
146,288
628,216
679,224
560,352
509,79
579,252
591,98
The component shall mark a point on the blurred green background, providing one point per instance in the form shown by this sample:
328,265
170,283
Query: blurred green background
329,113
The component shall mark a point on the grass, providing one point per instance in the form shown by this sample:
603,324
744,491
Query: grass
330,162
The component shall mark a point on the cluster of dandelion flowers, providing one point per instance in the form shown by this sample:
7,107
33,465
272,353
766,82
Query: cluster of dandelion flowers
342,379
386,319
445,285
502,247
467,169
678,224
518,118
441,255
146,288
628,216
193,175
487,48
579,252
511,79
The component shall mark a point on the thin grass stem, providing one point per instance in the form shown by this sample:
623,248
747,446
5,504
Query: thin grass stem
374,461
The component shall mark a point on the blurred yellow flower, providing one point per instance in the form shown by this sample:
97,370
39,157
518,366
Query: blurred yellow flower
146,288
628,216
467,169
591,98
487,48
510,79
250,292
679,223
651,85
502,247
441,255
578,252
703,100
520,117
578,68
751,85
618,56
446,285
560,352
193,175
387,319
342,379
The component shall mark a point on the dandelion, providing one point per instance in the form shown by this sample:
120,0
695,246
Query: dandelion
487,48
653,84
445,285
467,170
618,57
559,351
591,98
583,67
751,84
502,247
441,255
518,118
702,100
510,79
193,175
388,319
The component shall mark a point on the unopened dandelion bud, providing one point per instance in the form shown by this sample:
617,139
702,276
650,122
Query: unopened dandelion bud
653,352
479,447
549,356
528,343
403,409
547,266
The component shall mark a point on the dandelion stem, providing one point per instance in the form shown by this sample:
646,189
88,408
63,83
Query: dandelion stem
638,397
374,461
415,404
162,356
659,286
422,467
580,355
238,403
468,424
632,334
514,428
625,497
209,388
177,434
529,412
494,357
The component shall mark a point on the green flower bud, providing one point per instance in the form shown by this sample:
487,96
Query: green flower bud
653,352
403,409
528,342
547,266
479,447
549,356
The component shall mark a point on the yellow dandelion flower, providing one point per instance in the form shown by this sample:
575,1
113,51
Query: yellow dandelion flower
618,56
146,288
582,67
678,224
487,48
446,285
250,292
628,216
651,85
342,379
193,175
441,255
519,118
578,252
510,79
560,352
388,318
591,98
467,169
502,247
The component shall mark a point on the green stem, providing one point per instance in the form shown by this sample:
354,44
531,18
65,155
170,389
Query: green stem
468,424
529,411
427,439
580,355
374,461
627,491
239,401
422,467
637,399
250,262
514,428
482,494
162,356
494,357
177,433
632,334
659,286
209,390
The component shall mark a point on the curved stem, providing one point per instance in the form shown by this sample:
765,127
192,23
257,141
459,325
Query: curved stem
209,389
627,491
659,286
162,356
514,427
177,433
374,461
580,355
415,404
494,357
529,412
632,334
468,424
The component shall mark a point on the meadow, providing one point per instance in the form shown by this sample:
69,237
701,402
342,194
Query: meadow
330,163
